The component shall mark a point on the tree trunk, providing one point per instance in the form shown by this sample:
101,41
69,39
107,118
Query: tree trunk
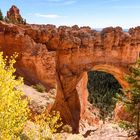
138,121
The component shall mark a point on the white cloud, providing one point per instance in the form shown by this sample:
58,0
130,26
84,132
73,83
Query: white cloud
109,1
58,2
69,2
48,15
63,2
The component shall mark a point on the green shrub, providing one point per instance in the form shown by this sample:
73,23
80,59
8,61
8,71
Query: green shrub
39,87
125,125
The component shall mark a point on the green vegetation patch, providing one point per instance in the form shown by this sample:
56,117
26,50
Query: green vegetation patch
102,89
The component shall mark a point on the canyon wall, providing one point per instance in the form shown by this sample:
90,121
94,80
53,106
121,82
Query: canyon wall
61,57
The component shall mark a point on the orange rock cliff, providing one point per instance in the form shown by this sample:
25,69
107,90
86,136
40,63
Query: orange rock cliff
61,57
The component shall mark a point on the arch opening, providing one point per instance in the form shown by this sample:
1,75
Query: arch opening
103,88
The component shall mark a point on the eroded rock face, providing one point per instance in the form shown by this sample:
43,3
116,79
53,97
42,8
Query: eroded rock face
61,57
35,63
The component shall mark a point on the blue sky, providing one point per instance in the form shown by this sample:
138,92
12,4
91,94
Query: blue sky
93,13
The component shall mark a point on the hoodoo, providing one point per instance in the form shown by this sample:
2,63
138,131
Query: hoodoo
13,15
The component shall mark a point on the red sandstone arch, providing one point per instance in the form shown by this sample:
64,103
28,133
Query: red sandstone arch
69,52
73,94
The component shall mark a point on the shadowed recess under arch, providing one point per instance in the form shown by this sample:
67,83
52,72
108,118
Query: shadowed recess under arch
102,89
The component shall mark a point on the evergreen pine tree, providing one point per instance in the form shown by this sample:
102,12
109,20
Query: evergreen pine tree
131,97
1,15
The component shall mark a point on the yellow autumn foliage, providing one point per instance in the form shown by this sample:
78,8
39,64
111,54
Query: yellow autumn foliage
45,127
14,111
13,107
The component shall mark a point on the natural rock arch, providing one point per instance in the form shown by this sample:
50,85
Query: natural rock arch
62,56
79,94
